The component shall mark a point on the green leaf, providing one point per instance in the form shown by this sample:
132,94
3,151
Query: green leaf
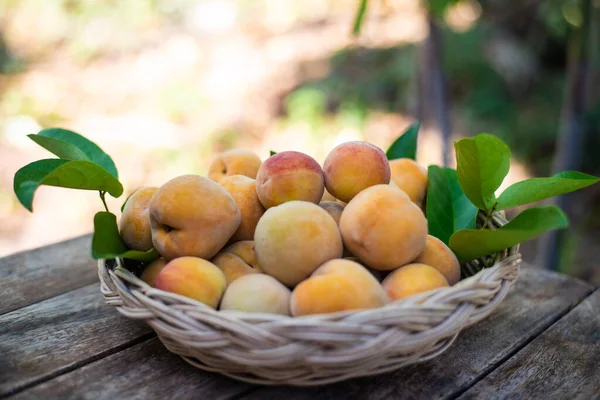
107,243
536,189
360,16
63,173
448,209
272,153
406,145
89,148
62,149
145,256
470,244
482,163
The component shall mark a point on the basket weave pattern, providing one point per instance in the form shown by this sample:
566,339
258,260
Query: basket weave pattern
317,349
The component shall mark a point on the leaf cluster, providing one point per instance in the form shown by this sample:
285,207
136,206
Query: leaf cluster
455,197
81,164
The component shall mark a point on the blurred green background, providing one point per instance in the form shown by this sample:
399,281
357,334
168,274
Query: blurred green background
163,85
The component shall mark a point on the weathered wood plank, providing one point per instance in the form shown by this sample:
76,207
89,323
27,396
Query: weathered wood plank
563,362
538,299
42,273
145,371
56,335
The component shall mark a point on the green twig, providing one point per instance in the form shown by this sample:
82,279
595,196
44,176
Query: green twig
489,216
102,197
360,16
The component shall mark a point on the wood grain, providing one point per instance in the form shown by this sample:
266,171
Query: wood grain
39,274
563,362
538,299
56,335
145,371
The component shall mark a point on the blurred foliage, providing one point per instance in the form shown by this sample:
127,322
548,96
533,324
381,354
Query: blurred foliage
352,92
438,7
550,12
527,121
484,96
8,63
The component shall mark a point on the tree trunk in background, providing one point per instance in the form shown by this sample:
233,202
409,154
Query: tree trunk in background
432,104
569,147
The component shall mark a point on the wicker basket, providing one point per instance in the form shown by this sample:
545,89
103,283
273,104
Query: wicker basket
318,349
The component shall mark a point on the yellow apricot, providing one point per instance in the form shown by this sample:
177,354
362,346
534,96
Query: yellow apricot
440,257
383,228
152,270
193,277
354,166
243,191
257,293
412,279
233,267
410,177
288,176
293,239
337,285
134,225
192,216
244,249
234,162
379,275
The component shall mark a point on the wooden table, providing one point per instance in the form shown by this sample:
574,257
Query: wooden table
58,339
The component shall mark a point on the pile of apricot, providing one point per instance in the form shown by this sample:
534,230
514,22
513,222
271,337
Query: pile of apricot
290,237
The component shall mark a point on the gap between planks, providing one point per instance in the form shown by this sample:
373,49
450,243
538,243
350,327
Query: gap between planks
55,336
518,349
39,274
78,364
561,362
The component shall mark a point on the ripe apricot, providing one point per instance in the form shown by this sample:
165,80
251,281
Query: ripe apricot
412,279
152,270
440,257
293,239
257,293
288,176
134,225
245,250
233,267
234,162
193,277
383,228
354,166
243,191
192,216
337,285
411,178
